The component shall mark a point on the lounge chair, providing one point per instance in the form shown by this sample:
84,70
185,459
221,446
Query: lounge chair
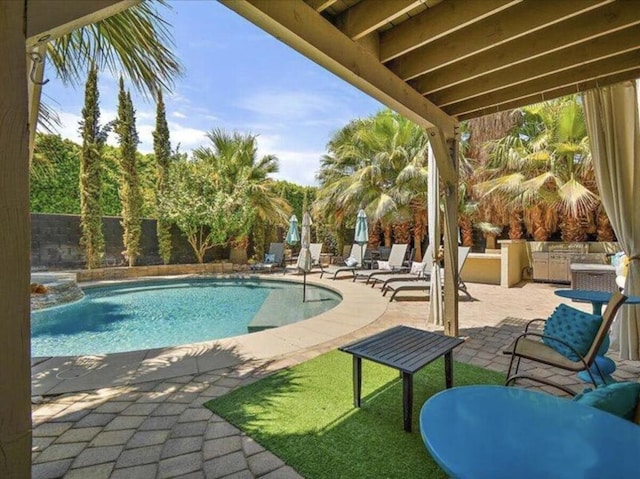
315,249
424,284
557,345
395,263
274,259
415,272
357,253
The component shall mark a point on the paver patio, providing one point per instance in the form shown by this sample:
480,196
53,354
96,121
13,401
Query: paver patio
159,428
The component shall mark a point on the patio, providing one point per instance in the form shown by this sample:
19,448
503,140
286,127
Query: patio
159,428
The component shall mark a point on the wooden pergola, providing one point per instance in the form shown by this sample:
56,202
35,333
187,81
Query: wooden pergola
434,61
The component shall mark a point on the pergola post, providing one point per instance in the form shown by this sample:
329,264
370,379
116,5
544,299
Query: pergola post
445,152
15,244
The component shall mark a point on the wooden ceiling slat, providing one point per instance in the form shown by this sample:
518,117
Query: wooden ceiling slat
302,28
320,5
368,15
440,20
583,53
520,20
556,93
617,64
593,24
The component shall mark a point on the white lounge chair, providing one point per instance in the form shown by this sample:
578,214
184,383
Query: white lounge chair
395,264
425,283
415,272
357,253
315,249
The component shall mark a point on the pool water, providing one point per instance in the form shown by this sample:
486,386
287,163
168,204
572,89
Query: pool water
153,314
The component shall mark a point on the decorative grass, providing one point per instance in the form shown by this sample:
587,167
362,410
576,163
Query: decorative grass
305,415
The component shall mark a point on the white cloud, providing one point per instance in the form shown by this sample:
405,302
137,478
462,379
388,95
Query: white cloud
296,166
177,114
287,105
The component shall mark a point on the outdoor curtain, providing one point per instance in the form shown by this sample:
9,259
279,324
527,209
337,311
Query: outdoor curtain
433,210
613,124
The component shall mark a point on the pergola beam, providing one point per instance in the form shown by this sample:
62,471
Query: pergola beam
368,15
51,19
555,93
582,54
320,5
300,27
435,22
520,20
591,25
625,62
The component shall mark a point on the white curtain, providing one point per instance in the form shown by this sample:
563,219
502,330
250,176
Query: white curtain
613,123
433,211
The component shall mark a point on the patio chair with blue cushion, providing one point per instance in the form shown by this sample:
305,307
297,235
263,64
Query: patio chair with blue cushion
570,340
352,263
394,264
274,259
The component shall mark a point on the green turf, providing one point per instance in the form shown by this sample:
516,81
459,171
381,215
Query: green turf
305,415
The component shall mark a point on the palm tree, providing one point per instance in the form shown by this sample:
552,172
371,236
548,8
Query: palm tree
135,43
378,163
234,158
544,166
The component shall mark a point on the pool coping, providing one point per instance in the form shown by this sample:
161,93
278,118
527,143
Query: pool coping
359,307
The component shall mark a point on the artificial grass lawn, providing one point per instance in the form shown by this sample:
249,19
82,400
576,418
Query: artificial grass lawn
305,415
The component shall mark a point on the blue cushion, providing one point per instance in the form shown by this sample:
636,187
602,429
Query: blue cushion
572,326
620,399
269,258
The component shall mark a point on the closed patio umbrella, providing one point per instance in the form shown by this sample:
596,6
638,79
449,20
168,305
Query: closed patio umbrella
293,236
362,232
304,258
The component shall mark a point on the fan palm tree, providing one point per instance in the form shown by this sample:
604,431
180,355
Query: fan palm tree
378,163
544,166
135,43
234,158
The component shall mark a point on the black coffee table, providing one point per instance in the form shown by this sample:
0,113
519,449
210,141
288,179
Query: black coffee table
406,349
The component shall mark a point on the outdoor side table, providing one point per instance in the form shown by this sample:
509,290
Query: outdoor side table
407,350
495,432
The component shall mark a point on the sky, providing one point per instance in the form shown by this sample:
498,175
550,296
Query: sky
237,78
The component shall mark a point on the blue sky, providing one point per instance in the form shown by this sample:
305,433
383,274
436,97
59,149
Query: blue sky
237,78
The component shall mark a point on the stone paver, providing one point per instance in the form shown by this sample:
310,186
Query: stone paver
160,428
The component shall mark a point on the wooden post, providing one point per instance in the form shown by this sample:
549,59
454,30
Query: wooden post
15,244
445,153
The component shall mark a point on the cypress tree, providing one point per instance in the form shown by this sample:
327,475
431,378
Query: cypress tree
162,150
93,139
130,196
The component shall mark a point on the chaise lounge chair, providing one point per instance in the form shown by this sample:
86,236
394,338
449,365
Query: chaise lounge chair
274,259
357,253
395,263
415,272
315,249
424,284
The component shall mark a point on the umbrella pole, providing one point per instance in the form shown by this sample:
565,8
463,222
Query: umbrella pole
304,286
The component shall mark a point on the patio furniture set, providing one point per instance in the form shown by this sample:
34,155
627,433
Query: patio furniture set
507,431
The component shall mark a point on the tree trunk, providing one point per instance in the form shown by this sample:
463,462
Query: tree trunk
387,235
572,230
402,232
466,231
374,235
515,225
604,230
540,232
15,370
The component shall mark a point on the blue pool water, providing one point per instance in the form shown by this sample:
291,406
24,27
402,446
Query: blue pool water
152,314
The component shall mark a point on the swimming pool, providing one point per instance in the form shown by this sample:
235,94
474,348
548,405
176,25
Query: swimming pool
153,314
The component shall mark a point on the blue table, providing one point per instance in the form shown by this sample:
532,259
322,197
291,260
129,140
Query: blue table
597,299
499,432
